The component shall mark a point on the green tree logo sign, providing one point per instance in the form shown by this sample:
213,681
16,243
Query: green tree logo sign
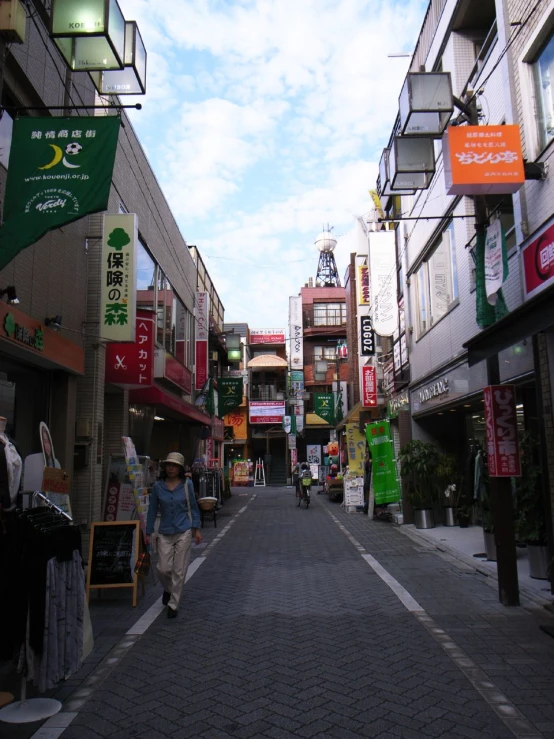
117,310
118,239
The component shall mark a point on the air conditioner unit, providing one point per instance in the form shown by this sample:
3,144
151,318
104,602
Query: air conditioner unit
12,21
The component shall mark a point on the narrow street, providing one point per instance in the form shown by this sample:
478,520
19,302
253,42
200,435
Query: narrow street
320,623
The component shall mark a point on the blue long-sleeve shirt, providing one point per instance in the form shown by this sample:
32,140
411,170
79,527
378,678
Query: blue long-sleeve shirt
172,505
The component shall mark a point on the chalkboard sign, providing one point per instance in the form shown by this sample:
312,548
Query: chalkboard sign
113,551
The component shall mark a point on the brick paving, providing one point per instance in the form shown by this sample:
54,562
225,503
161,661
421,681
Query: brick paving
285,631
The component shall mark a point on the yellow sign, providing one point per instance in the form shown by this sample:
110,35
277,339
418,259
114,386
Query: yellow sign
238,421
118,278
355,446
363,284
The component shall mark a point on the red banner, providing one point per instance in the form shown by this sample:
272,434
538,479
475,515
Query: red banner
369,387
501,429
132,364
538,262
201,364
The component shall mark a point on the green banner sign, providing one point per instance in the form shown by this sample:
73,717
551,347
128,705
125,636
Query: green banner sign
324,406
487,314
383,465
230,394
60,169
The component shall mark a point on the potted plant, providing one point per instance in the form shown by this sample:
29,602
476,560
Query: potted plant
530,521
446,475
418,463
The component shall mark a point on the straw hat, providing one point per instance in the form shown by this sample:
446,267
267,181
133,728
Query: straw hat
175,458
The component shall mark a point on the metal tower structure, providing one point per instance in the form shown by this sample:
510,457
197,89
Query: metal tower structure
327,273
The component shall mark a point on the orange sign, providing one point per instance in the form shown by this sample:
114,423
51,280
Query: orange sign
238,421
483,160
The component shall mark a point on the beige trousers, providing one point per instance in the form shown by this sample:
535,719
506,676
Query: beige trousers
173,561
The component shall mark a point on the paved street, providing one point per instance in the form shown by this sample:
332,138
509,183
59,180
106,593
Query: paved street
314,623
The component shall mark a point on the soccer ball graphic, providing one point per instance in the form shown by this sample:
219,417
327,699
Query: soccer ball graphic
73,148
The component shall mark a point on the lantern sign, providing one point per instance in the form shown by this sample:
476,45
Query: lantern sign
90,34
425,103
385,180
131,80
483,160
501,431
411,163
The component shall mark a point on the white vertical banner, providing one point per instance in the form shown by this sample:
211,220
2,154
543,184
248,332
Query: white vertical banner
118,295
382,266
296,337
202,330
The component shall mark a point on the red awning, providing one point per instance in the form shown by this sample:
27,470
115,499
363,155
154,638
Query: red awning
168,402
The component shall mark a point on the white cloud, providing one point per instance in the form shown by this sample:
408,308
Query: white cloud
273,115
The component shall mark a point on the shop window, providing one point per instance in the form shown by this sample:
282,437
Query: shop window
436,283
543,78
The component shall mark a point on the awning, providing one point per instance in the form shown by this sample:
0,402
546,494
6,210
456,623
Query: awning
175,408
267,361
533,316
353,416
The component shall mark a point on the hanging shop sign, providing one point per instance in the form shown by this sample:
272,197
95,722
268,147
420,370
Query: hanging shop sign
324,407
382,265
313,453
57,173
368,387
400,402
118,277
202,332
230,394
367,341
355,446
496,261
132,364
237,421
363,284
267,336
501,431
538,262
483,160
267,411
383,465
296,349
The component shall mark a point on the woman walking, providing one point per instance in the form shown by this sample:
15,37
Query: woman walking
173,497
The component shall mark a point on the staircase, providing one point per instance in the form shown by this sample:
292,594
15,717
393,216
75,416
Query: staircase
278,472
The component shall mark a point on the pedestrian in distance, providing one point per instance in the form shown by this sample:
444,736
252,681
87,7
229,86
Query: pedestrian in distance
295,476
173,496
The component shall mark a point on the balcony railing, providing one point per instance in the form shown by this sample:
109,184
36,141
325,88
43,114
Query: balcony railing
268,392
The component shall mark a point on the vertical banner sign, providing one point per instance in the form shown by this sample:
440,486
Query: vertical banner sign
487,314
355,447
132,364
118,294
496,261
363,284
59,170
383,465
313,453
296,349
367,342
501,431
323,406
229,395
369,387
202,328
382,266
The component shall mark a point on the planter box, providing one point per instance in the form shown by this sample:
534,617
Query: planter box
448,516
423,518
538,561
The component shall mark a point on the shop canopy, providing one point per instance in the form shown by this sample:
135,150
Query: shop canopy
175,407
267,361
530,318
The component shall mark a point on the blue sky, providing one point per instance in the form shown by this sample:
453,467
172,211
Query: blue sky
262,122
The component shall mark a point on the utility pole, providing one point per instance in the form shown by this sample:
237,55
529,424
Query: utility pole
499,487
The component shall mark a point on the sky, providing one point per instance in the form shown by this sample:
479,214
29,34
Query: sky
264,122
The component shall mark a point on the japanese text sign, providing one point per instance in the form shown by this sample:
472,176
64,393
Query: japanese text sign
118,276
267,336
363,284
132,364
355,445
202,332
480,160
501,431
369,387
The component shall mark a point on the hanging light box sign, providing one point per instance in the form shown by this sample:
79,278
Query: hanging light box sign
131,80
425,103
385,180
90,34
411,163
483,160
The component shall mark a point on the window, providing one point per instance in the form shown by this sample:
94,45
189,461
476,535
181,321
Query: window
329,314
325,352
436,283
543,76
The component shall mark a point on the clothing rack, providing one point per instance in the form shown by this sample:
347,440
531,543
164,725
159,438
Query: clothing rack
41,496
